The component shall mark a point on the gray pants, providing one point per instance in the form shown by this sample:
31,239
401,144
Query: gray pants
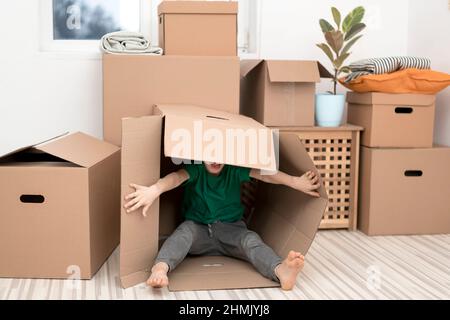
219,239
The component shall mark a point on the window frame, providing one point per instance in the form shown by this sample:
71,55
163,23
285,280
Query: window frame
49,45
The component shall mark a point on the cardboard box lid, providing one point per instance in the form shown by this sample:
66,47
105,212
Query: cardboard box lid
390,98
205,125
77,148
203,7
288,70
29,145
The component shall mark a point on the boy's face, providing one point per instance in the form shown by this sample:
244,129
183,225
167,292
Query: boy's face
213,168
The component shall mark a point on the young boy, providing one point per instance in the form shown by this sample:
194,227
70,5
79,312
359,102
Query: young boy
213,211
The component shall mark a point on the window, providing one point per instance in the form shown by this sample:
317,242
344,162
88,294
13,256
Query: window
77,25
91,19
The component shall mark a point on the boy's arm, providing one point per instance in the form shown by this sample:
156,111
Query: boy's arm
145,196
307,183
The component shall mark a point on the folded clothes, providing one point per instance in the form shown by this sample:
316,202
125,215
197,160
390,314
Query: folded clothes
385,65
124,42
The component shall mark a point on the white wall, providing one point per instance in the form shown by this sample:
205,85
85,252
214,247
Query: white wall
40,94
44,94
290,29
429,27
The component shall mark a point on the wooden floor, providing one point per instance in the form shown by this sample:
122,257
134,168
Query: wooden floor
340,265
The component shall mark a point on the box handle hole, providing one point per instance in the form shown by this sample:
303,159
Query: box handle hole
413,173
32,198
218,118
404,110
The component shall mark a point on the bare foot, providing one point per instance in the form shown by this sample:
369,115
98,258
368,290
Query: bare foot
288,270
158,278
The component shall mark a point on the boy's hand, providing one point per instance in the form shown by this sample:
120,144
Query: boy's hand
142,197
307,183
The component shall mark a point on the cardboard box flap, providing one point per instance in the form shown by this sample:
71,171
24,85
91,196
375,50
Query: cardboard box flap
216,272
375,98
293,71
202,7
140,163
249,65
203,134
29,145
324,73
79,148
291,222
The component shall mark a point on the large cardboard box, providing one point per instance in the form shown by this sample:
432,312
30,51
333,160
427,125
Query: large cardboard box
287,219
404,191
393,120
59,209
280,93
132,84
198,28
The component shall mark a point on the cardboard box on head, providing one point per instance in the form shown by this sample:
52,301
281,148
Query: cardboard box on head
287,219
280,93
59,210
198,28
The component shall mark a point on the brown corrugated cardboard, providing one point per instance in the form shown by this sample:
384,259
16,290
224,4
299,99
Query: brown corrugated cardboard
404,191
280,92
198,28
393,120
59,214
285,220
133,84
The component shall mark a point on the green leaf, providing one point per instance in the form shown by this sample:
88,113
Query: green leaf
335,40
340,60
325,48
354,30
344,70
336,17
354,17
325,26
350,44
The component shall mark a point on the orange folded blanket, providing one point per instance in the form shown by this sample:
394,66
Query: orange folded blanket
404,81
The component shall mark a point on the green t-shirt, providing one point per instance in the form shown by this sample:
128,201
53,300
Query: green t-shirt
209,198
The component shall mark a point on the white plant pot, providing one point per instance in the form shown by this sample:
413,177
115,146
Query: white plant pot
329,109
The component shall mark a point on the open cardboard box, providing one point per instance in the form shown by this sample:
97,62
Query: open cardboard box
285,219
59,209
280,93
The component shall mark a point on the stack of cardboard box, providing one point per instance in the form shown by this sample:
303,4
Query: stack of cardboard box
196,84
405,181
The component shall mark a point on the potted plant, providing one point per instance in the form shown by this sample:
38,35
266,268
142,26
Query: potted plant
339,40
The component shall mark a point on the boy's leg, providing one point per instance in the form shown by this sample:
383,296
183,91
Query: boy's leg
239,242
186,237
189,235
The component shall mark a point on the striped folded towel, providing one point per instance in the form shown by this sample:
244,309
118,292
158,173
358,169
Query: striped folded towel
385,65
124,42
